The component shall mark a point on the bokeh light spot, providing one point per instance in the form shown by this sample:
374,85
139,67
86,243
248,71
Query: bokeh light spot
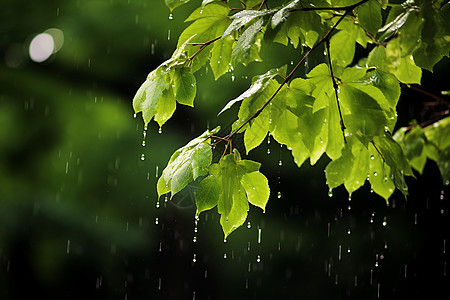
41,47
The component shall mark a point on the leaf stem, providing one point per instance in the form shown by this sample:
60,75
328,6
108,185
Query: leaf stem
378,150
335,87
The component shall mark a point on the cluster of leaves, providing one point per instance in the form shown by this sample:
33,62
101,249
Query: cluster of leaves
343,108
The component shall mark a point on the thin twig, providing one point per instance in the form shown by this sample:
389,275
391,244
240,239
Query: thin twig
428,94
203,46
335,87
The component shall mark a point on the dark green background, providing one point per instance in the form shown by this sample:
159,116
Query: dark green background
78,206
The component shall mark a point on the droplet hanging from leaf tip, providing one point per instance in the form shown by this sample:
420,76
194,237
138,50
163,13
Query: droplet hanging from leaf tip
330,193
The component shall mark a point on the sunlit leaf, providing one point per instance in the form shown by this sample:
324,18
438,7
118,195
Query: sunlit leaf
231,185
184,86
259,83
369,16
244,17
221,56
242,50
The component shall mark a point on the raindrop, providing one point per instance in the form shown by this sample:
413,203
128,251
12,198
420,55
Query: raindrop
279,195
259,235
157,221
268,151
68,247
339,252
225,256
142,156
159,283
280,163
330,193
157,204
328,229
384,221
156,171
258,259
194,239
249,225
194,259
160,130
168,35
375,174
372,157
170,16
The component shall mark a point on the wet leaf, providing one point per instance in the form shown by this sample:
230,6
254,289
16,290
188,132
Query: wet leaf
231,185
187,164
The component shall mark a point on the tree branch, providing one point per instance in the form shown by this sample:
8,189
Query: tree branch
347,9
335,87
203,46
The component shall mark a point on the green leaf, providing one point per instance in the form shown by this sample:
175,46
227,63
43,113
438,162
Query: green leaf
357,164
435,37
330,137
248,109
296,126
342,47
208,193
439,133
257,189
184,86
379,177
259,84
209,23
221,56
403,67
186,164
166,107
242,51
172,4
415,149
444,165
282,14
387,84
391,28
244,17
394,157
303,27
256,132
156,96
149,94
369,16
362,113
231,185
